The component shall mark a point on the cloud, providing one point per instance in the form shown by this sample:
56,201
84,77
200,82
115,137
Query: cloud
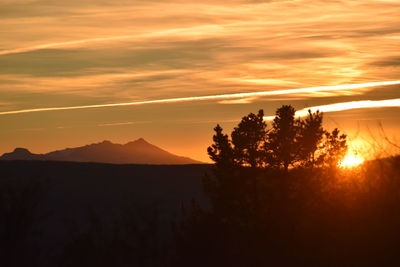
310,90
238,101
343,106
88,49
388,62
261,81
121,123
193,31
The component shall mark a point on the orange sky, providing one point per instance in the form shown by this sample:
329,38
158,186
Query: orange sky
56,54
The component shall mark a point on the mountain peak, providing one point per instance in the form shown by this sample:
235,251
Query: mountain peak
20,154
105,142
139,141
22,151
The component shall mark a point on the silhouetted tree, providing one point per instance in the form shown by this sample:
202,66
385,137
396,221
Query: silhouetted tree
282,144
248,139
311,134
289,142
335,147
221,151
257,217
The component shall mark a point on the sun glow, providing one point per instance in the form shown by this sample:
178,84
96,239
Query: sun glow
351,160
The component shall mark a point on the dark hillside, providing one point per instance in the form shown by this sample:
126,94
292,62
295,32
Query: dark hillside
74,190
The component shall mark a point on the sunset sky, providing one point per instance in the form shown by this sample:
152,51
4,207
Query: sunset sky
79,72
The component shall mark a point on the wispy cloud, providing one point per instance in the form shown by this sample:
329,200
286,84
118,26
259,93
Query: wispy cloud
214,97
200,30
31,129
238,101
261,81
56,44
121,123
343,106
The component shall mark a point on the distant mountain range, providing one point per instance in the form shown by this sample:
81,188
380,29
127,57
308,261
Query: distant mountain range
136,152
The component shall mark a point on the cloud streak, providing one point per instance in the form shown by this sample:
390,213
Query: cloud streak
351,105
121,123
202,30
343,106
308,90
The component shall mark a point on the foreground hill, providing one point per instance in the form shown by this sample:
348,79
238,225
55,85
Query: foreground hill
136,152
71,192
91,214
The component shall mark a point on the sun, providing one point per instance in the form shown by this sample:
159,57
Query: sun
351,160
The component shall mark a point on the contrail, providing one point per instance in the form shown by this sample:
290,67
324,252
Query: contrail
212,97
346,106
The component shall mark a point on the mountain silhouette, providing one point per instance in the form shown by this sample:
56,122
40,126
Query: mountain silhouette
21,154
136,152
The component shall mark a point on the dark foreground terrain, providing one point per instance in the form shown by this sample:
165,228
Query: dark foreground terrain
73,198
82,214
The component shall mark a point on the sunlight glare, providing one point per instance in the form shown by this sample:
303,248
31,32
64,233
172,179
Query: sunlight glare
350,161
